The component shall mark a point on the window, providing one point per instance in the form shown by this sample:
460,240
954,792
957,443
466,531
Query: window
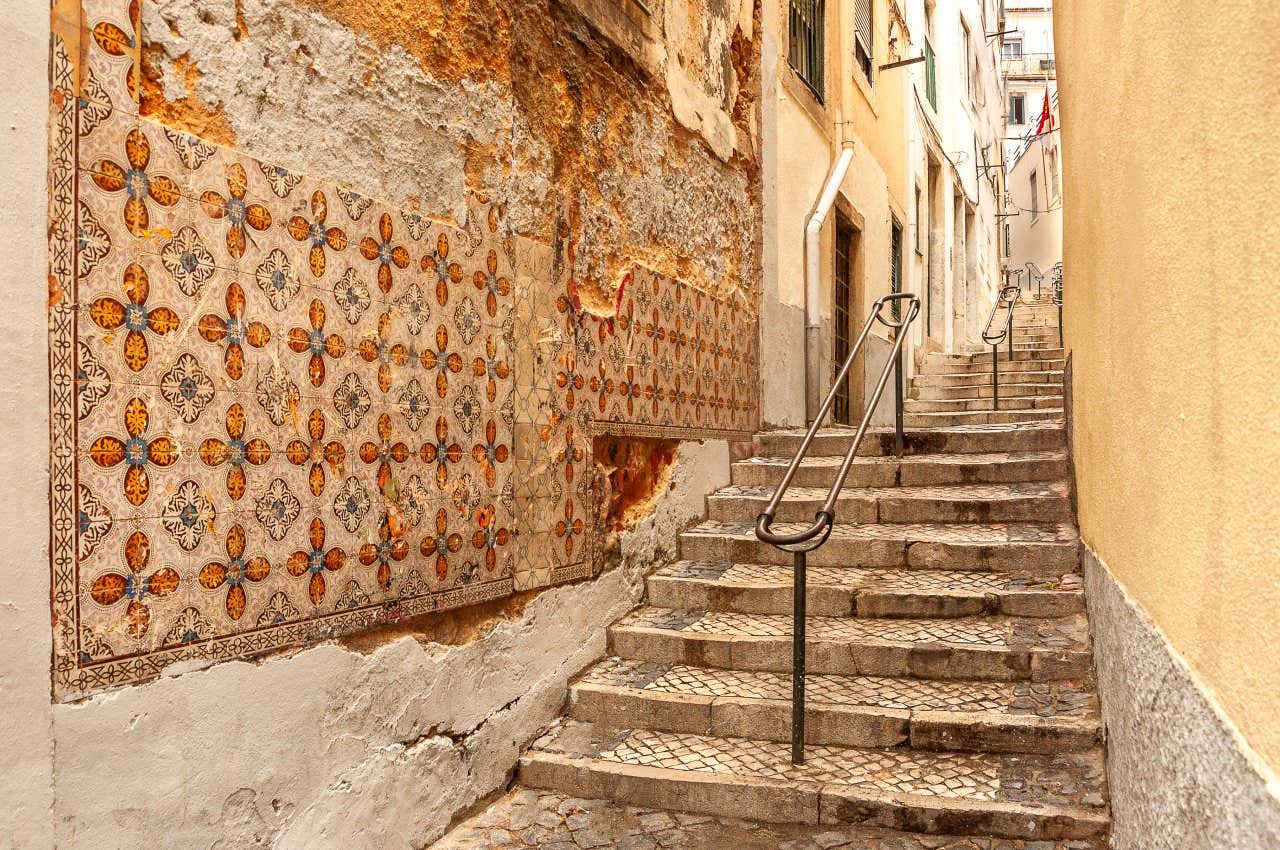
969,71
1035,197
1052,158
863,39
1017,108
930,74
806,43
1008,239
1011,49
920,225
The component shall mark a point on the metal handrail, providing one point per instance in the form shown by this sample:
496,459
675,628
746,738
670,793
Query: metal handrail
1009,295
802,542
1056,297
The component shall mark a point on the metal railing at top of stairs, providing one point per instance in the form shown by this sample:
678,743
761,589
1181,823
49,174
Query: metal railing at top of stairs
1007,298
1056,297
802,542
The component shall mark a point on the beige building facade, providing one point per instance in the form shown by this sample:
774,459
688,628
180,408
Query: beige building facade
1169,252
916,210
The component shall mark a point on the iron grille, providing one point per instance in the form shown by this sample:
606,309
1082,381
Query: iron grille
843,296
895,267
806,50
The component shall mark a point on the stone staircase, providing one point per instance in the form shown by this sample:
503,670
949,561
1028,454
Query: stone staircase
956,389
950,675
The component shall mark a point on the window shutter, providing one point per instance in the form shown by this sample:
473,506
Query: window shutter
862,25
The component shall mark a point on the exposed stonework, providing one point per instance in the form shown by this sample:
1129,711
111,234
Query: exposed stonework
1182,776
528,103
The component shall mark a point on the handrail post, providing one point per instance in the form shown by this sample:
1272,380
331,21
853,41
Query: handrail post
798,591
995,376
898,440
1060,342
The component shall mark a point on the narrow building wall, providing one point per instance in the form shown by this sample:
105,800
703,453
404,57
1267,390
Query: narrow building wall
340,297
1170,246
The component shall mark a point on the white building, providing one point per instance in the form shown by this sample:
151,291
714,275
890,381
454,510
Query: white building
1033,150
1027,65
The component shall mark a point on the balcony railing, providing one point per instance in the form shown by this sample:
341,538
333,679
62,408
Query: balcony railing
1029,65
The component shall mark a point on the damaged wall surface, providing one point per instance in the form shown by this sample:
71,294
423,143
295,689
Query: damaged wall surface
336,310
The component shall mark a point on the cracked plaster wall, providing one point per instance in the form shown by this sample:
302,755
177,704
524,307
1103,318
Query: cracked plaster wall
380,744
336,747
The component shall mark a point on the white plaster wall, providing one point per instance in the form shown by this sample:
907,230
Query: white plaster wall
334,748
26,748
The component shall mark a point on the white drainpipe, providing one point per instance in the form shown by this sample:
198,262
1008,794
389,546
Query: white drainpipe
813,281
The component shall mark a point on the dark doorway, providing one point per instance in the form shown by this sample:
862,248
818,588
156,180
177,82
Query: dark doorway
842,312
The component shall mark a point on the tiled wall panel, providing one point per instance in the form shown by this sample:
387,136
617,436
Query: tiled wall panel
282,411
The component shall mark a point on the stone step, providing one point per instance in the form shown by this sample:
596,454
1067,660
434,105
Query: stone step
1041,549
970,366
909,470
1036,501
851,711
982,377
991,648
880,441
863,592
1009,400
1049,355
983,390
978,417
1023,797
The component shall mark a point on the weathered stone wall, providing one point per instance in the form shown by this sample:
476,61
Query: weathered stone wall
558,149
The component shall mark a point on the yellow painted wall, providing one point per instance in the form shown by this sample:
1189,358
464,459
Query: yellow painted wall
1170,121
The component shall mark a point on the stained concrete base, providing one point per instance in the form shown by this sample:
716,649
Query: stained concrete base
1181,775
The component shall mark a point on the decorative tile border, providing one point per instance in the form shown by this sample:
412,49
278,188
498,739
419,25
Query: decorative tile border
282,411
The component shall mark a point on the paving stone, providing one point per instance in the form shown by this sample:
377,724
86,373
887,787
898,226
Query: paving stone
631,828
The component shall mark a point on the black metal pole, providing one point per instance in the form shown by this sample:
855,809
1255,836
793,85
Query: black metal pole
1060,344
995,376
897,405
797,658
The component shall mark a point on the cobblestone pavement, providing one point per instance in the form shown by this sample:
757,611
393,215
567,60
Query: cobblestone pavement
525,818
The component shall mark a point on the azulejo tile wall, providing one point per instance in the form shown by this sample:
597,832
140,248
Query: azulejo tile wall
283,411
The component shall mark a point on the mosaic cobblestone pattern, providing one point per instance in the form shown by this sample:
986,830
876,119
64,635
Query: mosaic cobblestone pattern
858,578
283,411
1063,633
1068,780
526,818
988,533
1049,699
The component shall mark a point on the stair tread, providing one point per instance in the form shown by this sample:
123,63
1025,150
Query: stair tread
932,492
1050,700
993,632
986,533
840,430
968,458
1043,785
878,579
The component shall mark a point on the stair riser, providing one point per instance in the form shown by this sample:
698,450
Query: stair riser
1010,400
977,417
1035,559
892,474
848,658
982,378
983,391
780,801
915,443
834,601
829,724
868,509
1040,357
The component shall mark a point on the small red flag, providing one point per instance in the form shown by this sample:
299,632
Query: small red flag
1046,117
